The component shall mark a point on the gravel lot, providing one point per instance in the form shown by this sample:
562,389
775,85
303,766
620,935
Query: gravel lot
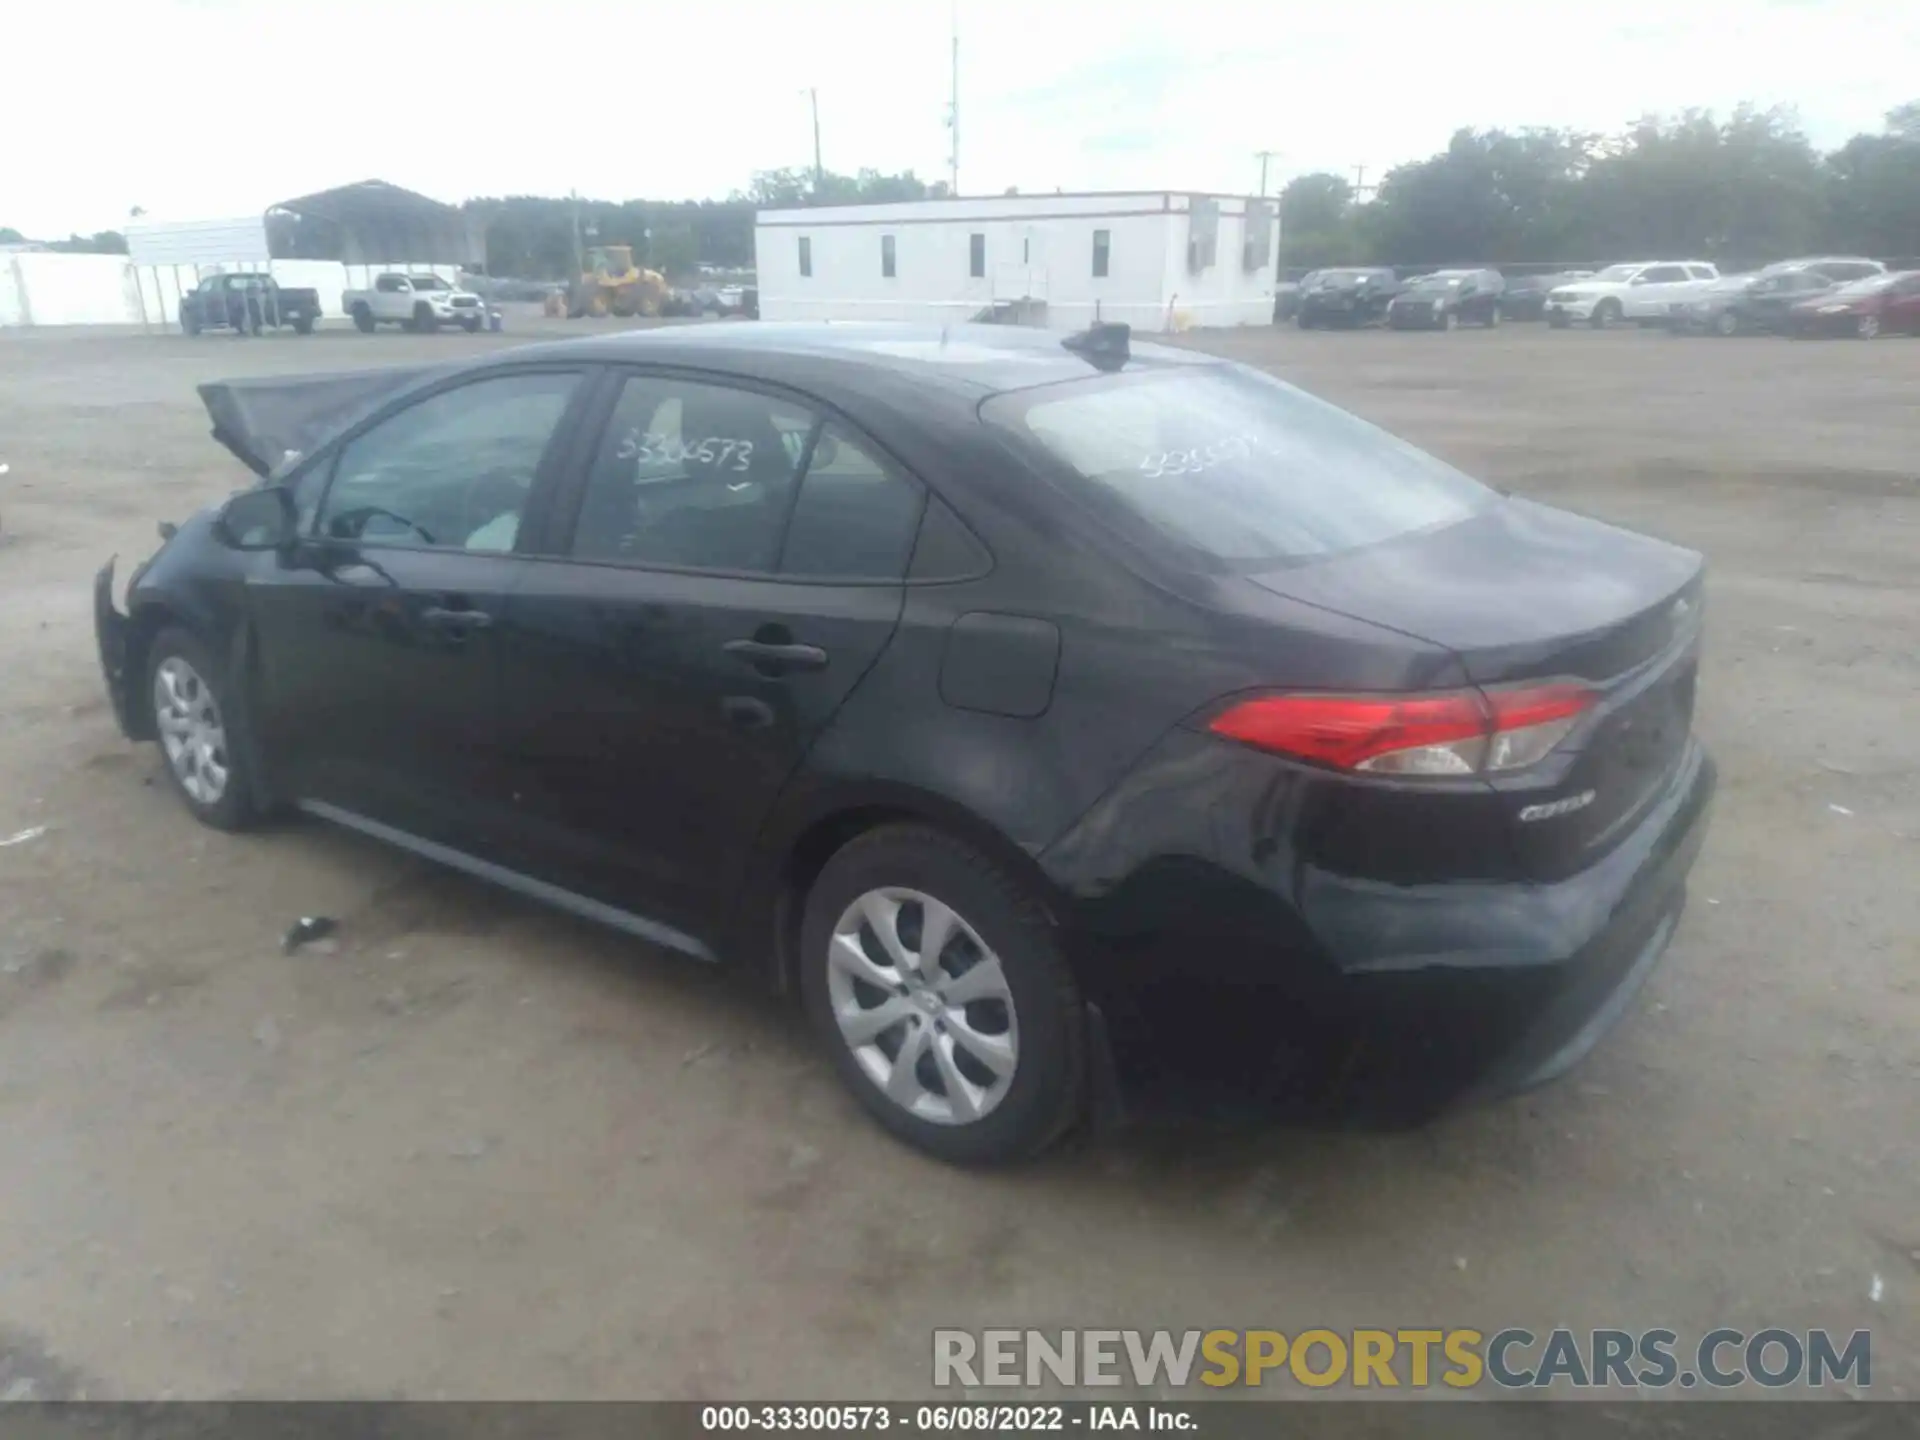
481,1150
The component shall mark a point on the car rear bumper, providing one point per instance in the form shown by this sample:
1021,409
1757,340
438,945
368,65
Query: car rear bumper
1391,1002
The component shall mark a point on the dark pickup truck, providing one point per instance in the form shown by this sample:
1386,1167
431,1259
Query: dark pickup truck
247,304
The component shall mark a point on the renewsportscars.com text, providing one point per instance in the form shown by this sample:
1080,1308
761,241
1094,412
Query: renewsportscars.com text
1414,1359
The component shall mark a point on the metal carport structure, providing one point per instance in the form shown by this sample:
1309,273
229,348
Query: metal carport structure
373,223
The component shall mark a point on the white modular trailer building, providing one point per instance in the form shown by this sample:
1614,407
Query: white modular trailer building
1156,260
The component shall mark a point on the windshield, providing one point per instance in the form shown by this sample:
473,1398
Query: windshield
1441,281
1234,465
428,282
1619,272
1345,277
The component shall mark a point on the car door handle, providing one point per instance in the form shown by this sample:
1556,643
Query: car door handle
442,618
777,658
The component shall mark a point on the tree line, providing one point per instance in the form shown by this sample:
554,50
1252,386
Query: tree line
1741,192
532,237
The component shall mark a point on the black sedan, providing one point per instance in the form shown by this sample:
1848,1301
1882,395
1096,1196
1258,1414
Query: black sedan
1345,299
1748,304
1524,297
1447,298
1046,713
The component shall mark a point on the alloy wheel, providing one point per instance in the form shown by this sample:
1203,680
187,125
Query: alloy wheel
923,1005
191,731
1868,327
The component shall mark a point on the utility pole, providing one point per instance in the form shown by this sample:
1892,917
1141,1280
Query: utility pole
819,174
953,112
1263,156
1360,182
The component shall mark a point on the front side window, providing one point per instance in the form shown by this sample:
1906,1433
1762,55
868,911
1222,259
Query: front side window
1700,272
693,476
451,472
1102,248
1232,466
886,256
1663,274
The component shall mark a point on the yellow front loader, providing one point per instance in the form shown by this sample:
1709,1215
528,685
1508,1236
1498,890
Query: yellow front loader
612,284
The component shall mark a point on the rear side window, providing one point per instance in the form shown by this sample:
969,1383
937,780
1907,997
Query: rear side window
1233,466
692,476
1663,274
855,517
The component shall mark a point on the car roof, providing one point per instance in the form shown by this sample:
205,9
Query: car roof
979,360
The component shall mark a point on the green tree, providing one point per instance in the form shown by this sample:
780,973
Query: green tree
1316,221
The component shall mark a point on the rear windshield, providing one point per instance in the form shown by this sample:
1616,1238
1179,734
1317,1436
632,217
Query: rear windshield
1235,466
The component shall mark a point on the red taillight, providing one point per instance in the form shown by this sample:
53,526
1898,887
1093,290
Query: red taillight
1460,732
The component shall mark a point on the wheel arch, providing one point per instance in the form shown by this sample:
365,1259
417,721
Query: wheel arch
797,844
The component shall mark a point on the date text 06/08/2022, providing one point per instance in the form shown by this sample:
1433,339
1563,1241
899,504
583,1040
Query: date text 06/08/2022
935,1419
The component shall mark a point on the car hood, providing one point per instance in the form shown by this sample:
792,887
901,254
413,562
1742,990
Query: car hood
265,422
1509,588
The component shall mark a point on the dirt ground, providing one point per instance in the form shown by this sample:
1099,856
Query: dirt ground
480,1150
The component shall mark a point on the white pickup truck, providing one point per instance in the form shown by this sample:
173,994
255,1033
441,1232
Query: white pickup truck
1644,291
413,302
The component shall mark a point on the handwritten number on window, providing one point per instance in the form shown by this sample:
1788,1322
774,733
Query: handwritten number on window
655,449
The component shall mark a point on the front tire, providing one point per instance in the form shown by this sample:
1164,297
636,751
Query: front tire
363,319
1867,327
1606,315
935,980
425,322
193,717
303,325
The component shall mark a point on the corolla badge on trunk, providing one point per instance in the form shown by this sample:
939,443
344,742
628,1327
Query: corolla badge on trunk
1557,807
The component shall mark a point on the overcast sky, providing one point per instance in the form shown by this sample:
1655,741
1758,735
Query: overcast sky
212,108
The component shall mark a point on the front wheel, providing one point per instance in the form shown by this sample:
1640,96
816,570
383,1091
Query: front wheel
1606,315
1493,318
363,319
425,322
935,980
470,325
193,719
1867,327
303,324
1447,320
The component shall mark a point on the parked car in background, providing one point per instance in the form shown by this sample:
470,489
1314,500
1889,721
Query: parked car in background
1839,268
685,631
413,302
1878,305
1642,291
246,304
1742,304
1347,297
1525,296
1447,298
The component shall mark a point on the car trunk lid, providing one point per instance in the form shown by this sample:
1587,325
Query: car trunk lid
1524,593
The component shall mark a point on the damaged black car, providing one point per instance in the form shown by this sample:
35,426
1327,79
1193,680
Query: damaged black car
1063,721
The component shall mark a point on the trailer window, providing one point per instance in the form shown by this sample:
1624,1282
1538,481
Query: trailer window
1102,240
886,256
977,256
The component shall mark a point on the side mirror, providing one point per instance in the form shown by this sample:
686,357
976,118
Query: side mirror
263,519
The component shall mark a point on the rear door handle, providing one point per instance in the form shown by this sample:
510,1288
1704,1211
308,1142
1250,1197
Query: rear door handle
442,618
775,658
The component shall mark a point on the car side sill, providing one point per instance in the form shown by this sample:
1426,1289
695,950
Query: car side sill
561,899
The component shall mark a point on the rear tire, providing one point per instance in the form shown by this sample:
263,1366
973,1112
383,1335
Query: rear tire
471,326
363,318
1016,1002
303,325
1726,324
190,324
1493,318
1867,327
1558,322
190,705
